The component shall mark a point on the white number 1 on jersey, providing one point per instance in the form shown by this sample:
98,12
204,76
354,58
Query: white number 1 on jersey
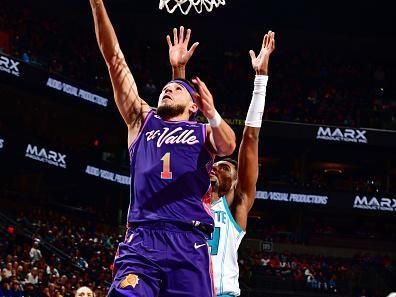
166,173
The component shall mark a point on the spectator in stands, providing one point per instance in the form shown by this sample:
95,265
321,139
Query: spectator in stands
84,292
333,284
7,271
35,253
265,260
16,289
32,277
52,271
30,290
5,289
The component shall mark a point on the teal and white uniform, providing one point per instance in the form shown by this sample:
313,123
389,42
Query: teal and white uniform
226,237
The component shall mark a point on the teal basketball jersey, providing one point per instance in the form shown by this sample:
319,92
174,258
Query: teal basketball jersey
224,244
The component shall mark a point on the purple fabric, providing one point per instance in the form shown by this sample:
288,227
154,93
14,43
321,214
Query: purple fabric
182,196
169,261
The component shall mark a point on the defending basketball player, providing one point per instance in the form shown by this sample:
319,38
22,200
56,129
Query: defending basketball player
234,184
165,251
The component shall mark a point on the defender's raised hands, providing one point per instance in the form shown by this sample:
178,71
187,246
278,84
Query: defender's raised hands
260,63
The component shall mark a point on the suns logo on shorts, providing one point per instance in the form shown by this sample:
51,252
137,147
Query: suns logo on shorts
129,280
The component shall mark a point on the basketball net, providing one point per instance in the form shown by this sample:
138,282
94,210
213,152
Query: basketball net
186,5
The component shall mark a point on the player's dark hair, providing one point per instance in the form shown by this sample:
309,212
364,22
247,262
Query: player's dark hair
232,161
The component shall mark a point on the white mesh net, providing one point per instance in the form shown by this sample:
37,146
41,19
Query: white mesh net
186,5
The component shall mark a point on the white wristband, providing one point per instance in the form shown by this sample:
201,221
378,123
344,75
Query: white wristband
215,122
256,109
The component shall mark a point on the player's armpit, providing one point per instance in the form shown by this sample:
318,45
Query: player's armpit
240,209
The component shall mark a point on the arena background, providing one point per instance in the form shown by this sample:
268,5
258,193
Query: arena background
324,220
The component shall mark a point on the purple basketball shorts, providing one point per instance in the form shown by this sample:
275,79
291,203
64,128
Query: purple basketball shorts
162,259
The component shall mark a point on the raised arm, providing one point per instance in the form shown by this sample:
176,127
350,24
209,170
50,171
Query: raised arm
248,150
221,138
132,108
179,54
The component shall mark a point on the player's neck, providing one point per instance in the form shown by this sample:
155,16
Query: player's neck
178,118
215,196
230,197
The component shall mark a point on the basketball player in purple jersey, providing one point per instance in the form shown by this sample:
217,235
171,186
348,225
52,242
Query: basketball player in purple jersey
165,251
233,184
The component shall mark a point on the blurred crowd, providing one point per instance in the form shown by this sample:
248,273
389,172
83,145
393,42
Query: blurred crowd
323,274
315,84
51,254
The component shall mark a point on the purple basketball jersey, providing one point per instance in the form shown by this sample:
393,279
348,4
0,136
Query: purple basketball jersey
170,173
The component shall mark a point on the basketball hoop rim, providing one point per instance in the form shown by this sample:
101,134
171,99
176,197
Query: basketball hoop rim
185,6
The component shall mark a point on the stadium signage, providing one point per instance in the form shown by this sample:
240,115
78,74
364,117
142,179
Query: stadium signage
292,197
374,203
76,92
344,135
108,175
9,65
46,156
266,246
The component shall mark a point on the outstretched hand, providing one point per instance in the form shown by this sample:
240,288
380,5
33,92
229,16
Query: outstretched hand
204,99
179,55
260,63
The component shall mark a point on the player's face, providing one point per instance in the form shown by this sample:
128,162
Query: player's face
173,101
223,176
